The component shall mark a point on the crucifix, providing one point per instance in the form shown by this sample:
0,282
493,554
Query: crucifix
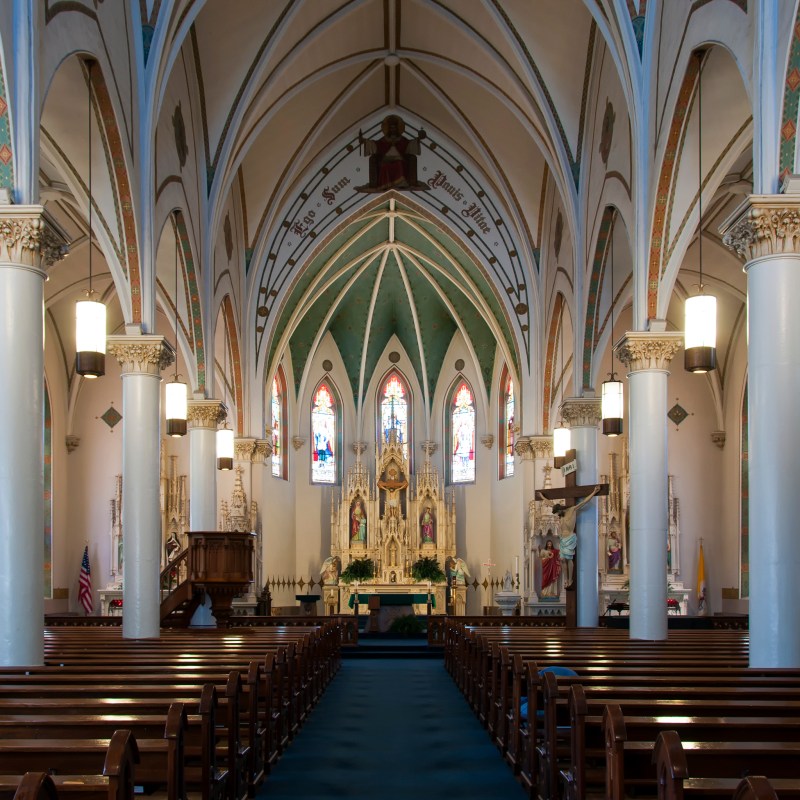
568,511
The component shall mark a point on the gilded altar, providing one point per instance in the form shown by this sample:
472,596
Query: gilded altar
394,518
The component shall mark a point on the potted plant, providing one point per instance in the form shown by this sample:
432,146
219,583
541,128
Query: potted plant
360,569
427,569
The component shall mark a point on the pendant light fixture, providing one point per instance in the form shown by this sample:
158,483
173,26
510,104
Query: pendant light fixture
611,402
176,394
225,435
561,434
90,314
700,330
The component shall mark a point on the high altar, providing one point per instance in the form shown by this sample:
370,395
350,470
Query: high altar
394,520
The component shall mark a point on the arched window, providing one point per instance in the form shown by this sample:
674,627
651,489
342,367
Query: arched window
324,435
462,434
506,425
393,410
278,424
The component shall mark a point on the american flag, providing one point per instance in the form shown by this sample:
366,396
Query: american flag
85,583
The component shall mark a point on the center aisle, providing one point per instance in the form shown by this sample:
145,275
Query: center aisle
391,729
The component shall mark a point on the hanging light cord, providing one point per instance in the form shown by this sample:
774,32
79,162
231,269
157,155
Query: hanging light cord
176,296
89,67
700,164
613,376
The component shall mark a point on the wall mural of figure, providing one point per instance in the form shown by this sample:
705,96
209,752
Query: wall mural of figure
331,568
614,553
358,521
427,524
393,158
551,569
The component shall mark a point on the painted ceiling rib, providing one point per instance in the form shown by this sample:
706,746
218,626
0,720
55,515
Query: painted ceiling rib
415,317
323,327
365,346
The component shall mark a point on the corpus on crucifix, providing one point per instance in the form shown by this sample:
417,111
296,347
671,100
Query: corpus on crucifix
567,510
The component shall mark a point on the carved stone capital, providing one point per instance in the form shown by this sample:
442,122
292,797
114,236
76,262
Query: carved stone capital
243,449
718,437
764,225
141,355
359,448
640,350
529,448
429,447
298,442
487,440
72,441
30,237
206,413
262,451
581,412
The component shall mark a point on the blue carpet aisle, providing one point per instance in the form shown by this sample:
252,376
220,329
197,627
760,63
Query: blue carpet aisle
391,729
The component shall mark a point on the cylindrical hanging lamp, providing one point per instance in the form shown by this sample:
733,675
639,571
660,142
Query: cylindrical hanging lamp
90,314
176,390
612,390
561,440
224,448
700,329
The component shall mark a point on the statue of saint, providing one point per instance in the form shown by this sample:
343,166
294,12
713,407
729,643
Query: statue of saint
392,158
358,522
614,553
427,525
508,582
551,569
330,571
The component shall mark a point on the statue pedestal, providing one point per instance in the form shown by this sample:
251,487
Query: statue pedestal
507,601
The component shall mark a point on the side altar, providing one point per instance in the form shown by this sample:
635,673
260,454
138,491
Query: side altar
394,519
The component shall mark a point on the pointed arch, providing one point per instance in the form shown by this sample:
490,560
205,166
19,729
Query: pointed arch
507,413
326,433
550,367
279,424
460,418
232,338
394,409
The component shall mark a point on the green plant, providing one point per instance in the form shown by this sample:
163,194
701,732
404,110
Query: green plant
408,625
361,569
427,569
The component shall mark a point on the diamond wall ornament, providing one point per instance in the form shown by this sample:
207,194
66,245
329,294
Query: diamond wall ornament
111,417
677,414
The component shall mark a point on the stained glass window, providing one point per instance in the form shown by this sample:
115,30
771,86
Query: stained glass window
394,410
323,428
462,435
507,426
278,425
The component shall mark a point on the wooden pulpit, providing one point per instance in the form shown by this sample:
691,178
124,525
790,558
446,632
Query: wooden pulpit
221,562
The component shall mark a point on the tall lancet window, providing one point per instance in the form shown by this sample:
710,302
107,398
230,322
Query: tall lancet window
462,434
324,433
507,423
278,406
394,410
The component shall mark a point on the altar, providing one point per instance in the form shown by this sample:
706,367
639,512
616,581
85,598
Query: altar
412,596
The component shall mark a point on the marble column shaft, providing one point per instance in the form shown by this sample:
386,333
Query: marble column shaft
141,358
582,415
29,244
647,357
765,231
203,418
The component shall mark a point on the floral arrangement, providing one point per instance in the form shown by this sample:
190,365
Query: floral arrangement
115,603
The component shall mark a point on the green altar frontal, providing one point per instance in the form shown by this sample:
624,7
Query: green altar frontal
393,599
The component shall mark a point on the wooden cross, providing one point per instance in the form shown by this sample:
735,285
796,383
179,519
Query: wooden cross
568,495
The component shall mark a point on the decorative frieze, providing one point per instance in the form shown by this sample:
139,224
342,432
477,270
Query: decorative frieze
147,355
206,413
641,350
581,412
764,225
30,237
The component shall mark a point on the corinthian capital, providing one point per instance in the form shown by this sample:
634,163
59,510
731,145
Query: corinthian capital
639,350
206,413
581,412
764,225
29,237
529,448
143,355
262,451
244,449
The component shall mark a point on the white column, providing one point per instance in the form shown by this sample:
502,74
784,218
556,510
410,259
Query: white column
582,415
647,356
28,245
141,358
766,232
203,418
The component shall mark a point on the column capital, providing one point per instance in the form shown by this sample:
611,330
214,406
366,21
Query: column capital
29,236
142,355
262,451
244,449
529,448
206,413
640,350
764,225
581,412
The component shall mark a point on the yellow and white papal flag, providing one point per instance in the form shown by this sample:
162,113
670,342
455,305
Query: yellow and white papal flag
702,607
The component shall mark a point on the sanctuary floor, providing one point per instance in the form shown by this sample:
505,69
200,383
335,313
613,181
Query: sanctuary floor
391,729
